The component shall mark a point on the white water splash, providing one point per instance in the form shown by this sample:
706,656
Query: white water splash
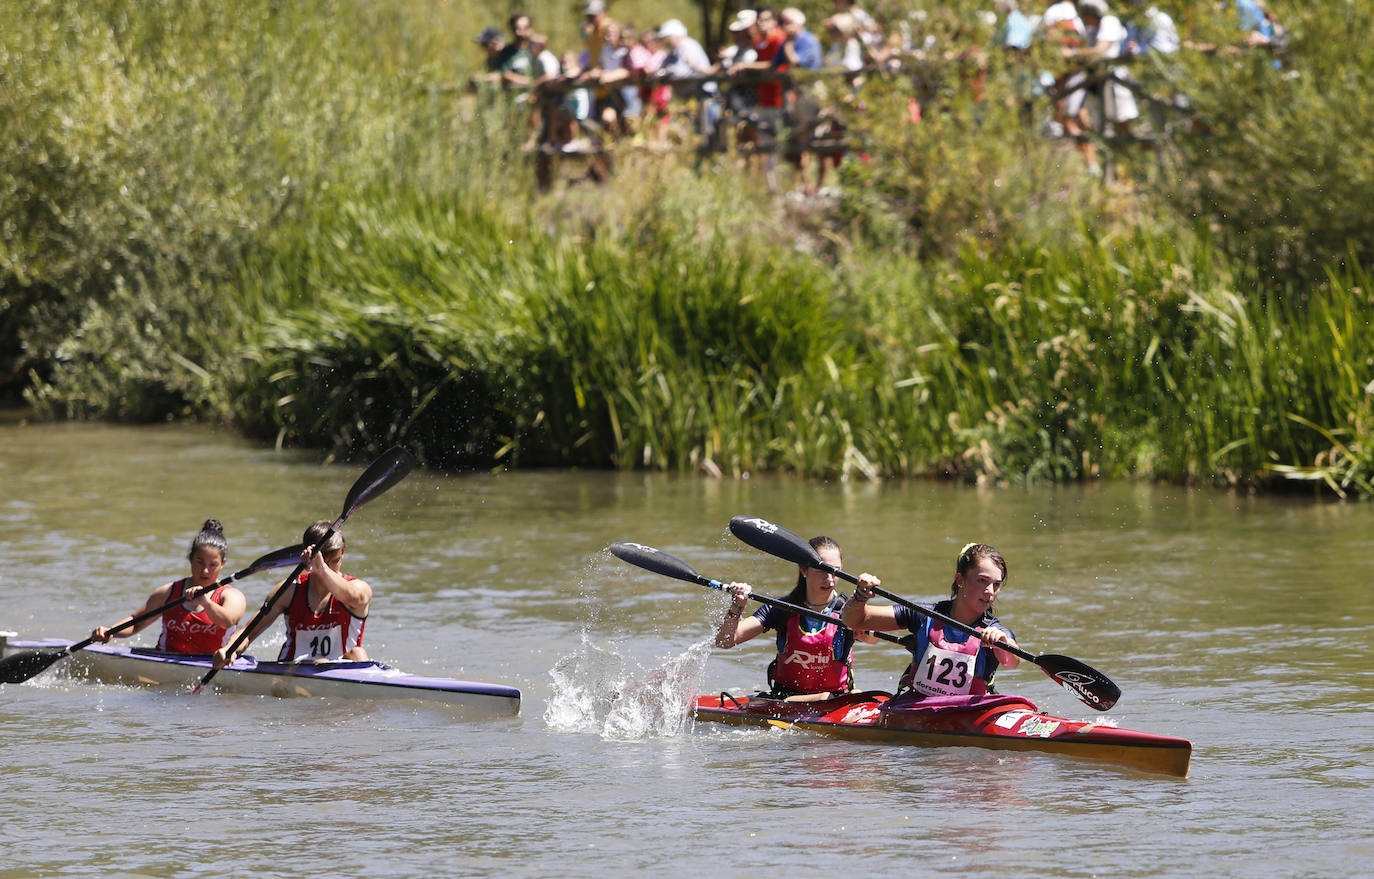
595,690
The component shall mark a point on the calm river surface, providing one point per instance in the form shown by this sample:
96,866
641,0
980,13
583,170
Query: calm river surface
1244,624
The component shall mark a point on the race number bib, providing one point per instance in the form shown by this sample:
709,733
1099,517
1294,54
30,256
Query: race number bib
324,643
944,672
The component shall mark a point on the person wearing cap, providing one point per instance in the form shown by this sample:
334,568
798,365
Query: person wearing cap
686,59
492,44
594,25
740,97
742,28
767,44
947,662
1063,29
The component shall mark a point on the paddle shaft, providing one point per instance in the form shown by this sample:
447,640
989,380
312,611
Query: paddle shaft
796,608
930,612
671,566
383,473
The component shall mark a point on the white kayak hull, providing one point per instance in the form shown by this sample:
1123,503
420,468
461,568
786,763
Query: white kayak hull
355,680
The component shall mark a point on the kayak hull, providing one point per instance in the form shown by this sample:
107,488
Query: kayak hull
1008,723
109,663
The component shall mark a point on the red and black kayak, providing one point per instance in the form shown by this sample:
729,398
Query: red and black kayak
1009,723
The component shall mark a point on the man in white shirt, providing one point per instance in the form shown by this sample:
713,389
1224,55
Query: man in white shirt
687,59
1105,40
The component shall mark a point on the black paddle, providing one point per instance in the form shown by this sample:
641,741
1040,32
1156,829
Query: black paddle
22,666
1094,688
384,472
660,562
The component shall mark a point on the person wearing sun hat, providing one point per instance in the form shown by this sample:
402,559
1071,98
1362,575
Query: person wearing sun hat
744,20
1105,40
947,662
742,29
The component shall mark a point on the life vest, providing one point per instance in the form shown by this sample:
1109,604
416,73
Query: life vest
187,632
813,657
946,668
328,634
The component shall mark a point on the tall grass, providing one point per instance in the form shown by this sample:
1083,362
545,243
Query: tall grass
1139,359
686,345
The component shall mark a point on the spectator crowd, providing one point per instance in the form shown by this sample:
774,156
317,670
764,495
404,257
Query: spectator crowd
775,87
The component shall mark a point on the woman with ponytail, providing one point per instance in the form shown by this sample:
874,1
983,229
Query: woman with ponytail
325,610
946,661
201,622
813,660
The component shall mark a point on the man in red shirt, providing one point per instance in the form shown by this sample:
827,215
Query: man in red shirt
770,41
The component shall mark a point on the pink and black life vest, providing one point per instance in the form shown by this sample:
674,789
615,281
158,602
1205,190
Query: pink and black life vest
946,668
809,659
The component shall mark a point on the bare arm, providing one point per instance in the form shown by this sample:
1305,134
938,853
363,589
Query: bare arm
160,596
994,635
227,612
356,595
860,616
734,628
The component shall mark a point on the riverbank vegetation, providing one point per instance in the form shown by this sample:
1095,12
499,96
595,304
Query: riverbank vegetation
294,220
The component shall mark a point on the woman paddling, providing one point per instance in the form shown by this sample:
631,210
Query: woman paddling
200,623
947,662
325,609
813,656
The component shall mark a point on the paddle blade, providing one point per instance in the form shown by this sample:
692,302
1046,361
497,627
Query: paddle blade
20,667
656,560
384,472
1095,689
776,540
279,558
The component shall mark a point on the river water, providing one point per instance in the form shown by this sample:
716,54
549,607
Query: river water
1241,623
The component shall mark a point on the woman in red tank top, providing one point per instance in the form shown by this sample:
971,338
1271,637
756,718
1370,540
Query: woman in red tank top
813,655
324,611
200,623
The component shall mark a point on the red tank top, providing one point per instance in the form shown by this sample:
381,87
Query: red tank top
324,635
186,632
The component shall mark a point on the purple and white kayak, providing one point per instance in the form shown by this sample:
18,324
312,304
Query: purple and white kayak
112,663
